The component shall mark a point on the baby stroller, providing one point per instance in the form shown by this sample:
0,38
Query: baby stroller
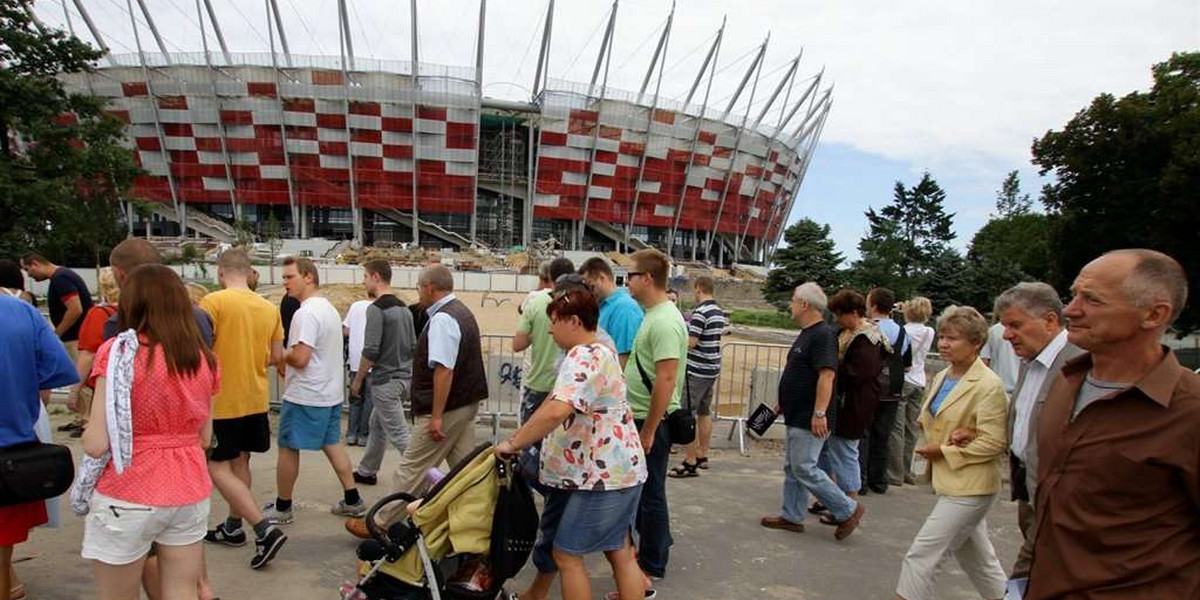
478,523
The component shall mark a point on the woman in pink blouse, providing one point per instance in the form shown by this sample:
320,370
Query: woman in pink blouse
591,459
161,496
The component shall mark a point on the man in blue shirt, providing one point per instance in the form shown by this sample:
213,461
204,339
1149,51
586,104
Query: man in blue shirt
620,314
32,359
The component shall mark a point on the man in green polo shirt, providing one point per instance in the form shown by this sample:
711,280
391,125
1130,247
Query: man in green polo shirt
654,381
533,336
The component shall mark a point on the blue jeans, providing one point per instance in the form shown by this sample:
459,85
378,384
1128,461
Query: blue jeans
840,460
802,476
529,462
358,425
653,518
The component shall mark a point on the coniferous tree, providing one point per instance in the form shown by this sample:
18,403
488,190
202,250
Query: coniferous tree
810,255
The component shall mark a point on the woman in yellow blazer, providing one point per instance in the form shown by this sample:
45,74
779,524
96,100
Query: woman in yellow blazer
966,478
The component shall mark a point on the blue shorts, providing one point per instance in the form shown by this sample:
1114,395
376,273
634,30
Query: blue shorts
595,521
309,427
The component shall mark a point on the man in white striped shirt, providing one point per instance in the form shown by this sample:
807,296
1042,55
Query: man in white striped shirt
705,328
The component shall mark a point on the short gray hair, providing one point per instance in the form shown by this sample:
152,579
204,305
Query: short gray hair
438,277
1033,297
966,321
811,293
1155,276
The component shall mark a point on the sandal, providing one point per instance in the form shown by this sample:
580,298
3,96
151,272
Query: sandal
684,470
702,463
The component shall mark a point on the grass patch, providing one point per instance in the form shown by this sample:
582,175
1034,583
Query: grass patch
763,318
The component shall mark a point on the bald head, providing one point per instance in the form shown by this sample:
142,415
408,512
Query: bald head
1151,277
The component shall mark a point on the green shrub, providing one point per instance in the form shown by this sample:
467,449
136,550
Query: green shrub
763,318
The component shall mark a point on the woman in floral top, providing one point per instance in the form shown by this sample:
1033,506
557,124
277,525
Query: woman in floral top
592,459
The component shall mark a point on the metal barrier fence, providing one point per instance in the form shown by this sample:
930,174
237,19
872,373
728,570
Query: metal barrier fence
749,376
505,373
505,370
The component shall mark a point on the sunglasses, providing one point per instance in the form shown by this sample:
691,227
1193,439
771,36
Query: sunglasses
632,274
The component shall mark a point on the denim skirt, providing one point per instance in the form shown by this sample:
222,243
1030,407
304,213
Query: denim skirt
596,521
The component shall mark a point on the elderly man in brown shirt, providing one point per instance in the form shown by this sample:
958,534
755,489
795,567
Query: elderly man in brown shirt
1118,506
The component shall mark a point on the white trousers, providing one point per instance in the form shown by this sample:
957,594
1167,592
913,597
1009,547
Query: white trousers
957,525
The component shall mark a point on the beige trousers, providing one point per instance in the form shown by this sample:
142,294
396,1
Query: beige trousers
957,525
424,454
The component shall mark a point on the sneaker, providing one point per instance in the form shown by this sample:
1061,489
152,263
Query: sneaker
781,523
220,535
651,593
361,479
349,510
282,517
362,442
266,548
351,440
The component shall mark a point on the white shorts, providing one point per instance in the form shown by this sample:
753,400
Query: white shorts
119,532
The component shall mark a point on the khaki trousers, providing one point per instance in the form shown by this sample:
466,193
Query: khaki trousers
83,404
1028,524
957,525
424,454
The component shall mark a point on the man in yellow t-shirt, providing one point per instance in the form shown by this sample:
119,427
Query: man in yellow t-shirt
247,338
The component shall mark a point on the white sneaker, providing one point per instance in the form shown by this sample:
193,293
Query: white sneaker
281,517
349,510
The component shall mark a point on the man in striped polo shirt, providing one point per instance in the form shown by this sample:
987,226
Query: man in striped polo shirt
707,325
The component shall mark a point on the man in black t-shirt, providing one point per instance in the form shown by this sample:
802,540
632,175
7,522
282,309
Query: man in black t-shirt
68,298
805,399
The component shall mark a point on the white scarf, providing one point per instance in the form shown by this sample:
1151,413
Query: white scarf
118,418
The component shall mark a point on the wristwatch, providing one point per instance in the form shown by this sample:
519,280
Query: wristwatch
820,414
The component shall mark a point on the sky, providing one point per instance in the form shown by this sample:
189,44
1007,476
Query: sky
960,89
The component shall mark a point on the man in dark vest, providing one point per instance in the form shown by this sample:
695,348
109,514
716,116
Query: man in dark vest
448,383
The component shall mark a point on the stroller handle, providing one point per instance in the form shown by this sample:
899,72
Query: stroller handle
372,526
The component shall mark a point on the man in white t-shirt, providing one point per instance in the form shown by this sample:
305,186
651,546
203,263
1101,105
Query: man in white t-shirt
314,386
998,354
354,327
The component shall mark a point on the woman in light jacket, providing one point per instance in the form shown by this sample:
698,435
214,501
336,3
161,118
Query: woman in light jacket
966,478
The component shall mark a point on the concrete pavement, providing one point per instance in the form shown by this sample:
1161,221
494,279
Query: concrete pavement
720,550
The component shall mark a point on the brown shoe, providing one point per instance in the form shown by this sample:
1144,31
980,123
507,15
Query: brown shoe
845,528
782,523
358,528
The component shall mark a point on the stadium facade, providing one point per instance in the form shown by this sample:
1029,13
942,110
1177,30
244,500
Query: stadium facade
379,151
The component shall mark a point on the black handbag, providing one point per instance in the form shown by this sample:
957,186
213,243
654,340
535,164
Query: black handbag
33,471
681,423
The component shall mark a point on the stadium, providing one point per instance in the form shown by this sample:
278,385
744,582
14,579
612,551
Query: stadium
393,152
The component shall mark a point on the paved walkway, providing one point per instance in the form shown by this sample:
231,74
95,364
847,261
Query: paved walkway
720,551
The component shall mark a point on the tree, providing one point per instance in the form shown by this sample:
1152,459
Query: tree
905,238
949,282
63,171
1010,202
810,255
1127,174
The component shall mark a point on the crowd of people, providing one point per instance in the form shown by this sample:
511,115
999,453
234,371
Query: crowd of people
1093,418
